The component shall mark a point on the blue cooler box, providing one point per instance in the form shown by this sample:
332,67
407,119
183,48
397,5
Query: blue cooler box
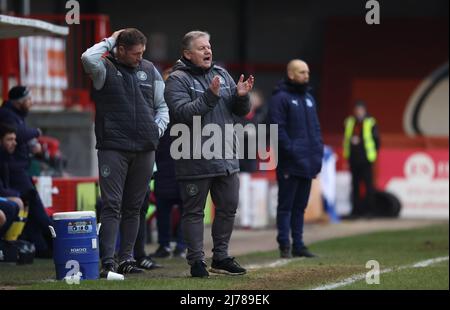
75,244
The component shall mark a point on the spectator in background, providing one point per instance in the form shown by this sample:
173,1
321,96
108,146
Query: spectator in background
256,116
8,145
131,116
197,87
14,112
167,193
300,152
10,203
361,145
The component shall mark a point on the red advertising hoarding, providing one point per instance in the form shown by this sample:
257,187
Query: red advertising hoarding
419,178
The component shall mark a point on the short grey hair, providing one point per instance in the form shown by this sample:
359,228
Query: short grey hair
186,43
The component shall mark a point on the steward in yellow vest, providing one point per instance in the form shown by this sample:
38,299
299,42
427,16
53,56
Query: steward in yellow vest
361,144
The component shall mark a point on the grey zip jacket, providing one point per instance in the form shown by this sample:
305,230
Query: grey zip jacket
188,96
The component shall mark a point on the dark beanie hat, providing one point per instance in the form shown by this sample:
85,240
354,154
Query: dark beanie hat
360,103
18,92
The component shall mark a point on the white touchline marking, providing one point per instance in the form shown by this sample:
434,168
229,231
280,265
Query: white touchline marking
362,276
429,262
276,263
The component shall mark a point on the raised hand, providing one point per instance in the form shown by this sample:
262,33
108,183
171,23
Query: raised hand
243,88
215,85
115,35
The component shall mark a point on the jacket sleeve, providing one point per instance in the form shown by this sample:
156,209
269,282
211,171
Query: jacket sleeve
181,106
6,192
278,115
93,63
162,111
25,134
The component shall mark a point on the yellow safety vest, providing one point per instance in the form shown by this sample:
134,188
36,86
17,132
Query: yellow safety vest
369,142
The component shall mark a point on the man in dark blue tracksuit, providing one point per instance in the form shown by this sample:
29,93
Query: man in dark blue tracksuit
10,202
300,154
14,112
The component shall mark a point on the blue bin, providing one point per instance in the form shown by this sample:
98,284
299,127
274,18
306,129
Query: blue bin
75,244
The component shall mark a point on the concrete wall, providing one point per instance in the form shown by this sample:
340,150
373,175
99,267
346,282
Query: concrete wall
75,131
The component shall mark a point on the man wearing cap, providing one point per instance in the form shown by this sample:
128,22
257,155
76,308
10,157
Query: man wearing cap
361,145
14,112
131,116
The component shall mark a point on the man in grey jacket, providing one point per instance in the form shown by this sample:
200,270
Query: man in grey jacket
131,116
201,94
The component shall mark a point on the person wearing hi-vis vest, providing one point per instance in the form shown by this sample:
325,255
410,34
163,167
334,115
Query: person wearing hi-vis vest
361,145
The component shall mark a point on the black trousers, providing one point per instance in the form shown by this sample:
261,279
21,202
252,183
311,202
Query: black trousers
293,196
123,179
362,173
225,196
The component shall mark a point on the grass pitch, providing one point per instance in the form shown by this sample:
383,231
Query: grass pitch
338,259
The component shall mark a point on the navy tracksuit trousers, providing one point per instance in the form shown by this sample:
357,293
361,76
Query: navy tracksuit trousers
293,196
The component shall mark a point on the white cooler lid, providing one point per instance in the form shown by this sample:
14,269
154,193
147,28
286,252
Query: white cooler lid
73,215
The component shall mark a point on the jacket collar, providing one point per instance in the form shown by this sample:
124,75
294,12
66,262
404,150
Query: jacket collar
194,69
9,105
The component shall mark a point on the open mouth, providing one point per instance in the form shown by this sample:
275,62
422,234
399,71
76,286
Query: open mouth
207,59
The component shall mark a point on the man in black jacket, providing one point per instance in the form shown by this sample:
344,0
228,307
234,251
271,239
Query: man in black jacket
293,108
131,116
14,112
201,96
8,145
10,203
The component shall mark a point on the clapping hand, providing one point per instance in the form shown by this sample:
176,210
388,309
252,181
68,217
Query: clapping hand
243,88
215,85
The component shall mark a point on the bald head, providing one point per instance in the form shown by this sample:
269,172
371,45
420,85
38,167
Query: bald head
298,71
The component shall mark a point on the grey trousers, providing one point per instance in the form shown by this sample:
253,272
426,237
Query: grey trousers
124,178
225,195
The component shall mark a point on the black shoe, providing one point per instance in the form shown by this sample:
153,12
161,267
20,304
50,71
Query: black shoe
129,267
285,252
161,252
303,252
111,267
227,266
198,269
147,263
179,253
